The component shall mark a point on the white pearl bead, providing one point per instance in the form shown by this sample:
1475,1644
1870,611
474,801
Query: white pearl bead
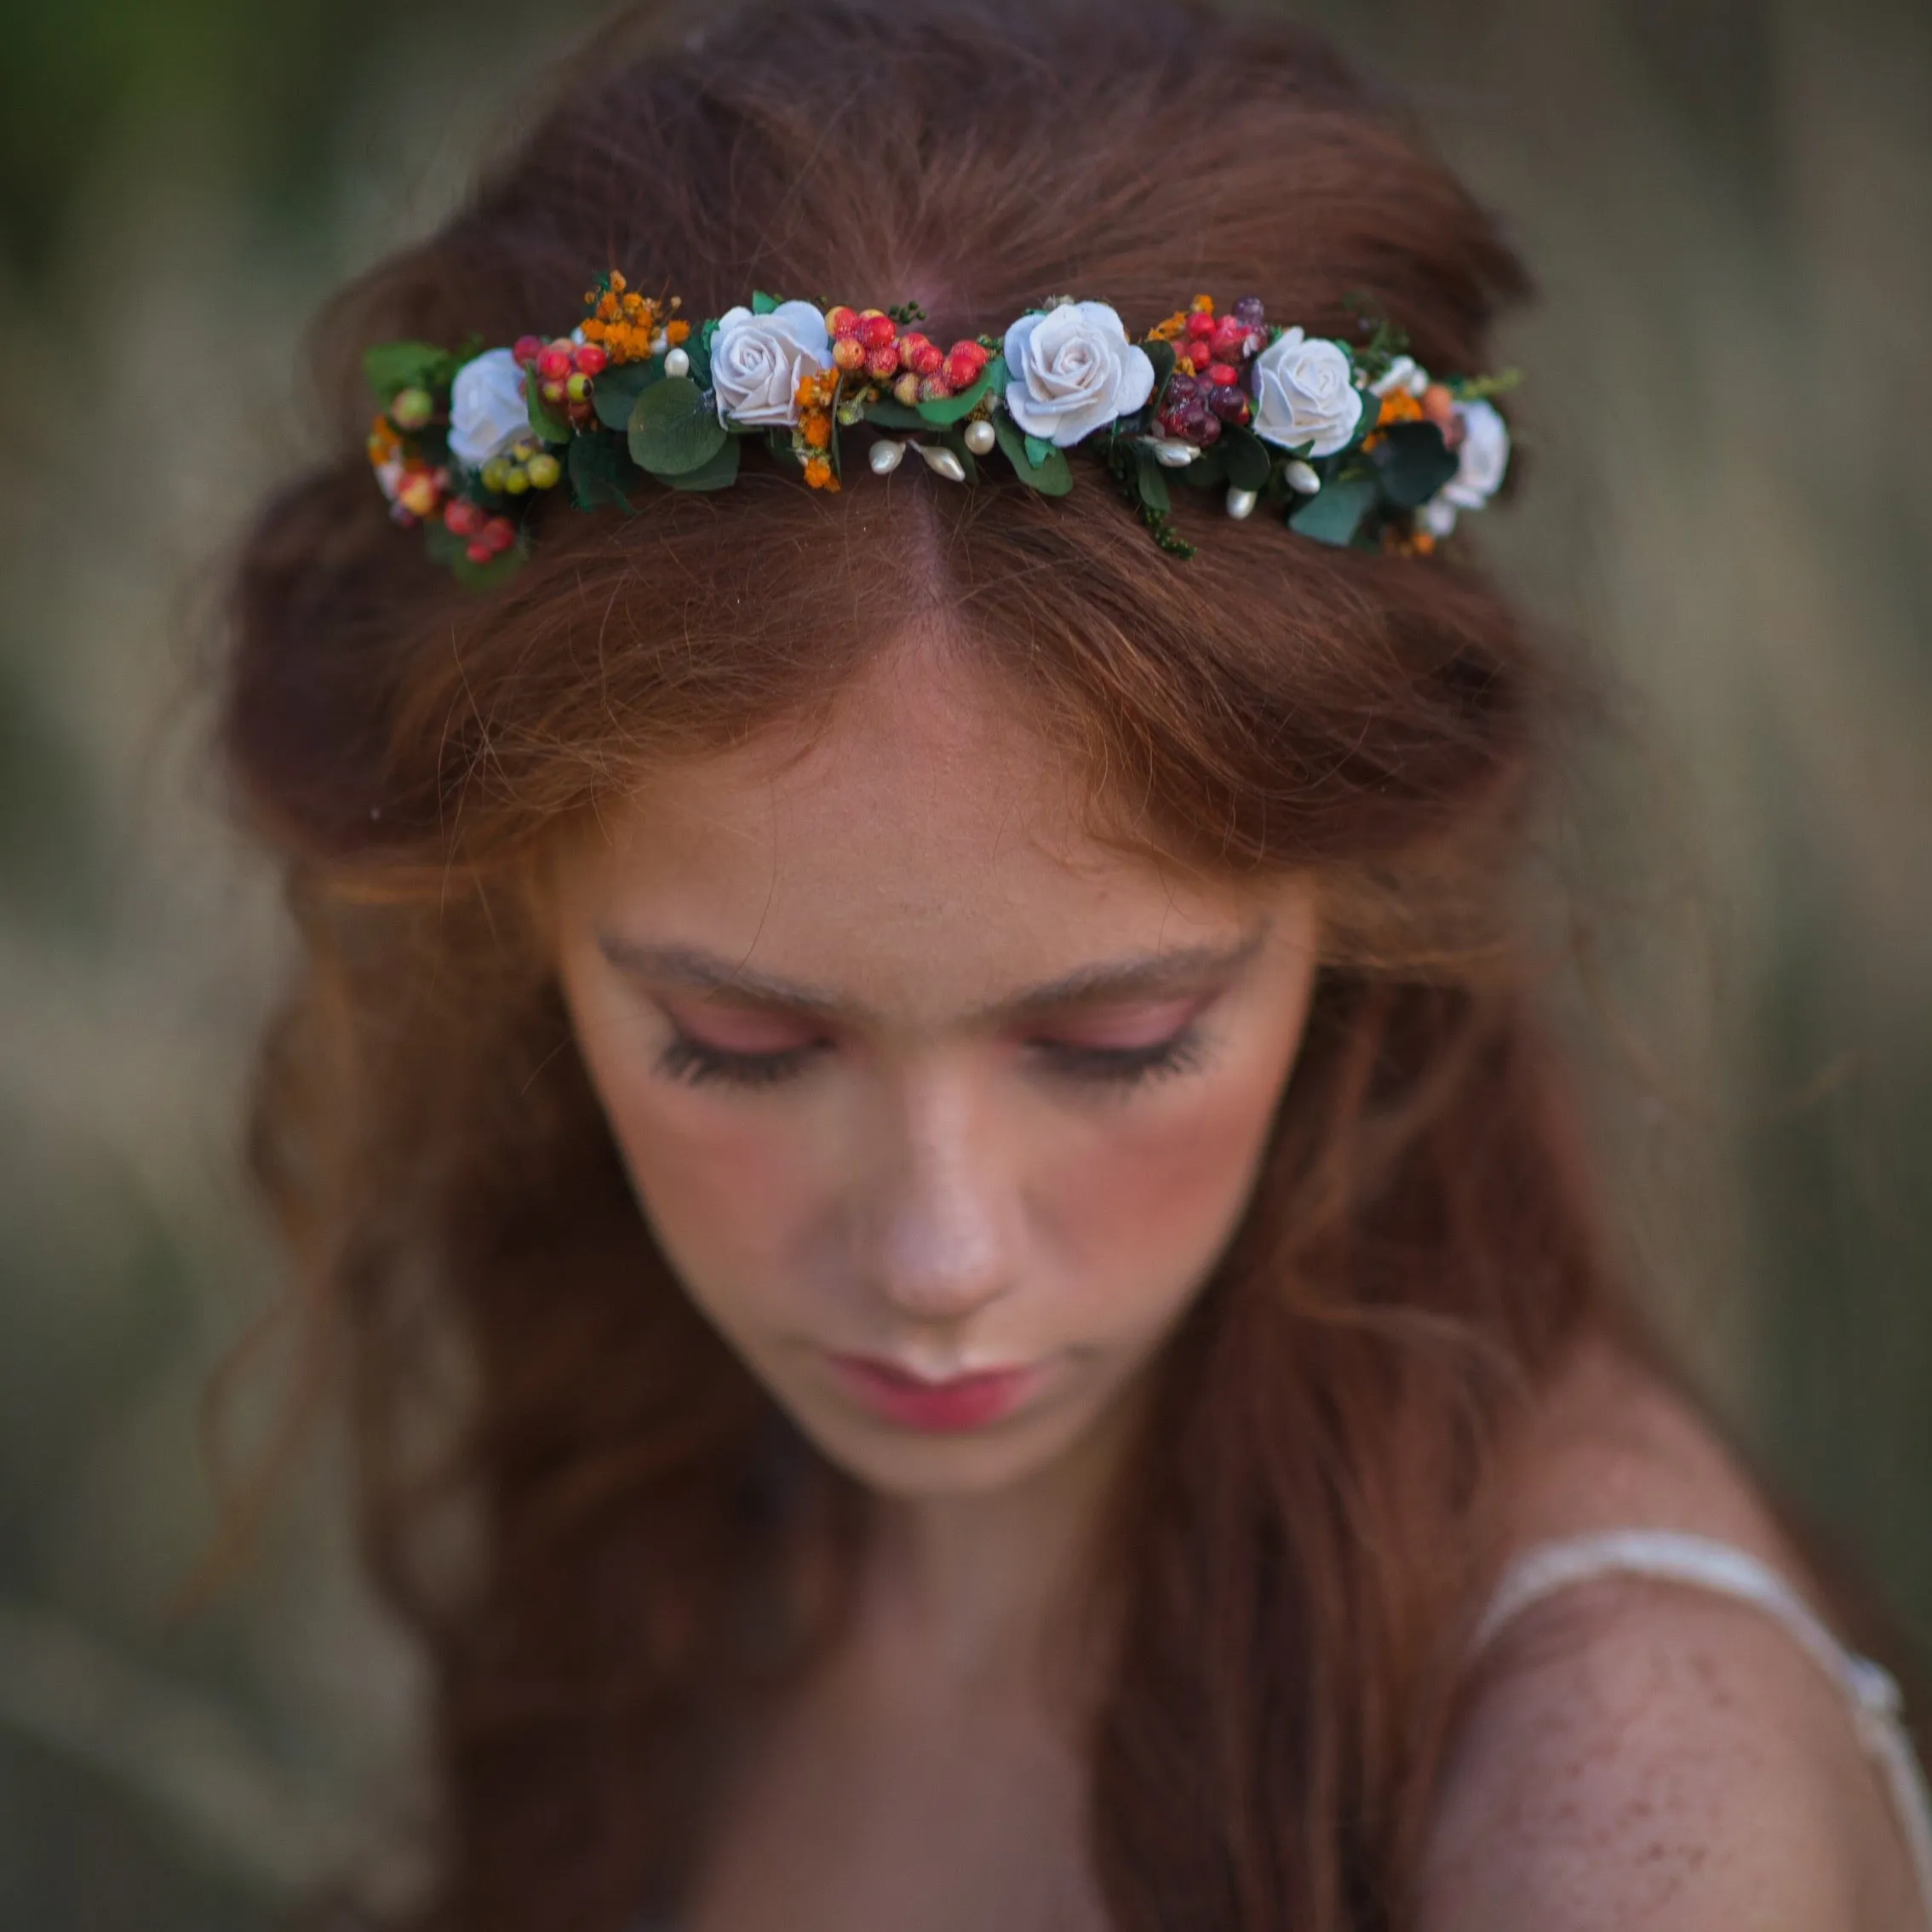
1303,476
943,462
1242,502
979,436
885,456
677,363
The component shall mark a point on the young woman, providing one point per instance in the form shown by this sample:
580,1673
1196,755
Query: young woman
969,1291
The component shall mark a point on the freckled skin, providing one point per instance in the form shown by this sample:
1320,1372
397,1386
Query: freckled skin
925,1189
930,1186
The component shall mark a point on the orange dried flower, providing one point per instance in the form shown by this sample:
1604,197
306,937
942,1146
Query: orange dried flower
1166,331
1202,305
676,332
818,474
1399,407
816,426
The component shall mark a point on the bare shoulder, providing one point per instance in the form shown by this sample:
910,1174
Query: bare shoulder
1645,1757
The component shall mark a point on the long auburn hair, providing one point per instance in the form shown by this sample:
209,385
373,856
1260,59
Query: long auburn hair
564,1478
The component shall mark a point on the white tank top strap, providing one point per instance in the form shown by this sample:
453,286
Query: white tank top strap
1701,1563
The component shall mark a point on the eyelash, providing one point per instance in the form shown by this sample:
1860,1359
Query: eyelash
695,1065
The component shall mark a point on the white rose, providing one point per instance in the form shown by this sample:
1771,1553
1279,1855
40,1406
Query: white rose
1073,370
1484,456
757,361
1305,392
488,411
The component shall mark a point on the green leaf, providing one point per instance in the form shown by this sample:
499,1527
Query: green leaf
1053,478
544,422
952,408
1038,448
1480,388
443,546
761,303
719,473
390,366
598,470
1248,458
1208,471
1414,462
674,428
1161,355
617,389
1151,480
888,413
1336,514
697,346
779,442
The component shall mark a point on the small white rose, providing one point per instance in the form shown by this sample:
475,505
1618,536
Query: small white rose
1073,370
488,411
757,362
1404,373
1484,456
1305,392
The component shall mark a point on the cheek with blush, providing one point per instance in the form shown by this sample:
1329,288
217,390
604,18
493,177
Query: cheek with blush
729,1191
1137,1212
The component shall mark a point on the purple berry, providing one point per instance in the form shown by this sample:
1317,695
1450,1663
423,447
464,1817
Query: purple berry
1249,313
1229,404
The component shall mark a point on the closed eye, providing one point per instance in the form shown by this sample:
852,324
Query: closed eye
1122,1066
696,1062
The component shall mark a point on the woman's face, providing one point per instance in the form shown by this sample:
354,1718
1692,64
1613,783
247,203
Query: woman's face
943,1109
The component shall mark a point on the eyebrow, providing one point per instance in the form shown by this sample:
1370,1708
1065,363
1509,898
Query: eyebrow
691,969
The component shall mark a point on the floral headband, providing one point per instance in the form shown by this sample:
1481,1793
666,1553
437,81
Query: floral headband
1355,445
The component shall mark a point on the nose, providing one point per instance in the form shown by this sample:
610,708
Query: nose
941,1218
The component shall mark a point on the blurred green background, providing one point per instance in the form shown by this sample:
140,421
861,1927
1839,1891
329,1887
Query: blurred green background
1729,205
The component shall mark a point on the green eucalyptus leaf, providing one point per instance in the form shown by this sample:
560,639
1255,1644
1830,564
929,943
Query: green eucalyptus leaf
544,422
616,390
443,546
1208,471
953,409
674,428
598,470
390,366
1053,478
1038,448
889,413
1161,355
779,443
719,473
1414,462
1151,481
761,303
1337,513
1246,458
697,346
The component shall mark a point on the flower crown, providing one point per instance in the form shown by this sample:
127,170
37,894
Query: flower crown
1356,445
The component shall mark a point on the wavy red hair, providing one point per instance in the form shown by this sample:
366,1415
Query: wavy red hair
565,1480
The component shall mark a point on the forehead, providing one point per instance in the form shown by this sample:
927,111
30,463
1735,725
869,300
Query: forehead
926,850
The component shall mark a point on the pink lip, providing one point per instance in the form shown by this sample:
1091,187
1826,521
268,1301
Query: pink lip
949,1408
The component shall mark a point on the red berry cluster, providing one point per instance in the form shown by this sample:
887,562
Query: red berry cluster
566,372
488,536
867,342
1211,361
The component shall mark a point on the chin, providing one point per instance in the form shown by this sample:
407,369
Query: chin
909,1466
